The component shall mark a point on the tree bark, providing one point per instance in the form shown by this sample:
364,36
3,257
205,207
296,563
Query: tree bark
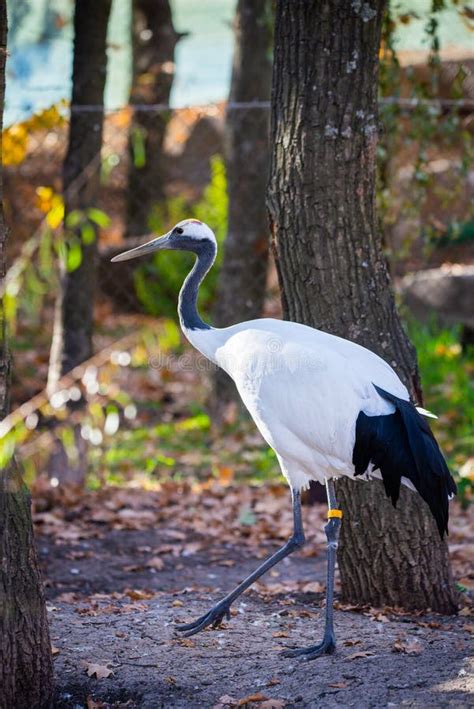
243,274
72,339
332,271
26,672
154,40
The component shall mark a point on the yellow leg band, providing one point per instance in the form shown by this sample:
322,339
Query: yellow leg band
335,513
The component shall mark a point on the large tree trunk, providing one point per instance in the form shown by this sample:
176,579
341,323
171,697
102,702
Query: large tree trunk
154,40
243,274
332,271
26,672
72,339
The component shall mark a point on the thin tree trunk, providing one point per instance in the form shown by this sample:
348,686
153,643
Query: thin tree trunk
74,315
154,40
72,339
332,271
26,672
243,273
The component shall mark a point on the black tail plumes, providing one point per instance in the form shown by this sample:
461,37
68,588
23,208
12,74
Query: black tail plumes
402,445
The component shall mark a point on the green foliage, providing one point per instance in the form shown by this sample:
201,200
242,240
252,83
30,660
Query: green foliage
34,274
137,139
448,384
421,133
31,278
73,253
80,230
183,450
458,234
158,280
155,451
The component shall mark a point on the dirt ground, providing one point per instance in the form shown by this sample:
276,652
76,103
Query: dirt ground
114,597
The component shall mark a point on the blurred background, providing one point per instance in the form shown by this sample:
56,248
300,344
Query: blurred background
134,409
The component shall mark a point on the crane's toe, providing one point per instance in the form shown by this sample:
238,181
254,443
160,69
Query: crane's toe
327,647
213,617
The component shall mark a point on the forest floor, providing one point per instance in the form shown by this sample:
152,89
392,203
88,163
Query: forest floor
122,566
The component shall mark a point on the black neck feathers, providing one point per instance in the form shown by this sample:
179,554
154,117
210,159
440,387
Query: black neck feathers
205,250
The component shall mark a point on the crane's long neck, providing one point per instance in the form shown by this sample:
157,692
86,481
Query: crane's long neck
187,304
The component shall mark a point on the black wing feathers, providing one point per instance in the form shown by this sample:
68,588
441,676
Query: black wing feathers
402,445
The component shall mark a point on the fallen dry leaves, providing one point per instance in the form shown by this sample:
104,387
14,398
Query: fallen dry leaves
350,643
91,703
409,646
185,642
360,654
138,594
258,700
108,603
258,518
285,587
192,516
156,563
97,670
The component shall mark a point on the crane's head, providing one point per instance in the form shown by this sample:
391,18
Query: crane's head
188,235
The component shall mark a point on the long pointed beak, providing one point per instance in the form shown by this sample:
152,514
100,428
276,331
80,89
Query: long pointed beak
161,242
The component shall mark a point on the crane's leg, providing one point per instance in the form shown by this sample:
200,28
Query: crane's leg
328,644
222,608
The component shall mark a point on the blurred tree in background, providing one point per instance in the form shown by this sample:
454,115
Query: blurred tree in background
72,338
74,314
243,275
153,46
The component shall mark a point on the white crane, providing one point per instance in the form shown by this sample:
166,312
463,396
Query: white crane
328,408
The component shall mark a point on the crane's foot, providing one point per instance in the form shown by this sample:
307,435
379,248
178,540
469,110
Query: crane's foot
214,617
327,647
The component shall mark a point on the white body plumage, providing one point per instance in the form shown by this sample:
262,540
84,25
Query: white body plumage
281,368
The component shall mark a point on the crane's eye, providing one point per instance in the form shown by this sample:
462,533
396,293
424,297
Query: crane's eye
179,230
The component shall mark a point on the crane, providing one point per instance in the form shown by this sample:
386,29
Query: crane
327,406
